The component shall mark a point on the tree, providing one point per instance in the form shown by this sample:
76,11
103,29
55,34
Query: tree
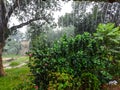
36,29
48,32
101,12
26,11
13,43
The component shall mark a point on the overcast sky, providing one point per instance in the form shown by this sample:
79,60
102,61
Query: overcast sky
66,8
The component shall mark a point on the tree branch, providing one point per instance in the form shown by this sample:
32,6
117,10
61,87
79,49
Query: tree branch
23,24
11,9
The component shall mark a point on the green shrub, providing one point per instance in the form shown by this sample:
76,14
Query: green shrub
90,82
73,56
60,81
109,36
26,85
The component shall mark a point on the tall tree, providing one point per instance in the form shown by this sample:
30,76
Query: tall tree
86,19
101,12
26,11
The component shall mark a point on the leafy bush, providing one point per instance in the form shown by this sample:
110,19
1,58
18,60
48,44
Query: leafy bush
109,36
76,57
26,85
60,81
90,81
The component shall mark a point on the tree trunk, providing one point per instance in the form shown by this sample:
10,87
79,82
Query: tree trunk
2,73
3,33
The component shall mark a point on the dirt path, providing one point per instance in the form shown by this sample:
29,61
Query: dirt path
7,66
7,61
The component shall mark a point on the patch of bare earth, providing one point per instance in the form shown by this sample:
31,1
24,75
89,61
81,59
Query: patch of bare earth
6,63
111,87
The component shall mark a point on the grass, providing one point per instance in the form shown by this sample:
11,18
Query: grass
22,59
14,77
10,56
13,64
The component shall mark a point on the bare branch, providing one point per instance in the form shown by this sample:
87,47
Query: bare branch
11,9
23,24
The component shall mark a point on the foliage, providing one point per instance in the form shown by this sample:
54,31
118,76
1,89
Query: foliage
109,36
90,81
49,36
86,16
26,85
57,34
32,10
82,58
36,30
60,81
26,11
13,44
12,47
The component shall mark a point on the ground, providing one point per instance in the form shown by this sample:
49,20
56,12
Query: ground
14,61
14,77
16,70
